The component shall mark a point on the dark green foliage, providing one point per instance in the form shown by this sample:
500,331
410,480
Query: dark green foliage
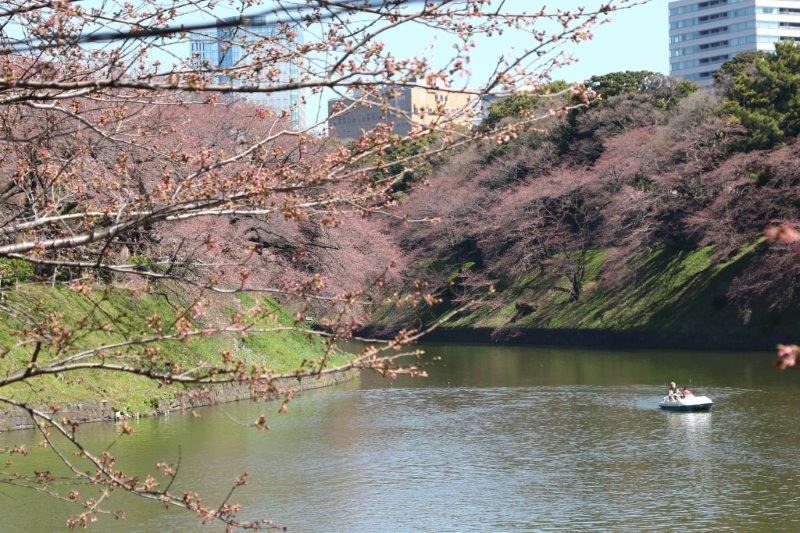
496,151
616,83
743,63
513,106
761,177
643,183
406,162
518,105
664,91
764,96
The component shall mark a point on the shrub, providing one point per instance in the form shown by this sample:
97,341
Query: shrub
518,105
693,111
665,91
405,162
616,83
14,270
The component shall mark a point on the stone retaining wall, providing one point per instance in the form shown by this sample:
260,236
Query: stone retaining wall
189,399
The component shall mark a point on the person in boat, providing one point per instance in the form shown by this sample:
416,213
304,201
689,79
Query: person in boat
687,393
673,393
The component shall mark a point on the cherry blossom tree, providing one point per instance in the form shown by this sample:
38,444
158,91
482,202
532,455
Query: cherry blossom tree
129,164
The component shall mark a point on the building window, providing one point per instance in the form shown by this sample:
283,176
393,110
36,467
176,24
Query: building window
713,16
716,44
712,31
714,59
711,3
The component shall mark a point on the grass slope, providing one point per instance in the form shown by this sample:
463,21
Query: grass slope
671,290
280,351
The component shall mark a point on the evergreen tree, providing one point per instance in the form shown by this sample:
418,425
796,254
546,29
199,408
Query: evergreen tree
765,96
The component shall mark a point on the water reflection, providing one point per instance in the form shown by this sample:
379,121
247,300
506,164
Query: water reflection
691,424
691,430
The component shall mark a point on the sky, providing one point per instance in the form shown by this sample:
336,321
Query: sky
635,39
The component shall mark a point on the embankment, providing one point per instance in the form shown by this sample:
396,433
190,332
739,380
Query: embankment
114,316
672,298
82,413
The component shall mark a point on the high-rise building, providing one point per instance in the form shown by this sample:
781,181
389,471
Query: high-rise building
229,47
705,34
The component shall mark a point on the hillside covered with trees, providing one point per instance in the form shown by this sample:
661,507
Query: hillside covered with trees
645,211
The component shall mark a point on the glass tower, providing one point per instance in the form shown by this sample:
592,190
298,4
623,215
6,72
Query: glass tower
230,47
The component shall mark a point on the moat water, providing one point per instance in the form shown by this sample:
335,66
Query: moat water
497,438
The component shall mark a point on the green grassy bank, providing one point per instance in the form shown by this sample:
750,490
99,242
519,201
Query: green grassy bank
128,312
668,290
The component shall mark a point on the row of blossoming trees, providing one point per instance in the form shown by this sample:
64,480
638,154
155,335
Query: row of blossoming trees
123,157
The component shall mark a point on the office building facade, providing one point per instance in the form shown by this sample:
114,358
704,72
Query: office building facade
705,34
228,47
408,109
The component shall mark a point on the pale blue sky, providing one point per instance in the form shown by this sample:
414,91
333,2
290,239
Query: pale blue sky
636,39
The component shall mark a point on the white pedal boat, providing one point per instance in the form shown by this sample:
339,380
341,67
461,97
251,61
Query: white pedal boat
690,403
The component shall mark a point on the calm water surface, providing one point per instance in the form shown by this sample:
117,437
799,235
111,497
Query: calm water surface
496,439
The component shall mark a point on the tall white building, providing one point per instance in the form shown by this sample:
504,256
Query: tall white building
228,47
705,34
